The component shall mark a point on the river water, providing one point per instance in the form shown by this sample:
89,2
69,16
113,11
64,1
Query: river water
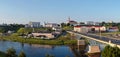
36,50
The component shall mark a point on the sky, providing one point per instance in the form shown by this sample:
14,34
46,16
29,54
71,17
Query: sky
56,11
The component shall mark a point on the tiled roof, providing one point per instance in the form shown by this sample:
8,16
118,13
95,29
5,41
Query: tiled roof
87,26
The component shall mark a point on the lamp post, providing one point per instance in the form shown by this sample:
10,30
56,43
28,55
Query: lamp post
100,32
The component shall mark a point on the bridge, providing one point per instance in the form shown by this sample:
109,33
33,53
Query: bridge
104,40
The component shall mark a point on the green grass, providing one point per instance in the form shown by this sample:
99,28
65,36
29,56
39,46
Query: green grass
62,40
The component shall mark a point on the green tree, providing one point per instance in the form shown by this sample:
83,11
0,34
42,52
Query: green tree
103,23
49,55
21,31
2,30
119,27
11,52
22,54
111,51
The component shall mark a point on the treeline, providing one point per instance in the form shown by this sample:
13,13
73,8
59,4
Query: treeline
11,52
112,24
67,26
11,27
111,51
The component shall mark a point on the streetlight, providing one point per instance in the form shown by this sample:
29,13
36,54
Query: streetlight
100,32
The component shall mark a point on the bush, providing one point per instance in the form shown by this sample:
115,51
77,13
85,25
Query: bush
22,54
111,51
11,52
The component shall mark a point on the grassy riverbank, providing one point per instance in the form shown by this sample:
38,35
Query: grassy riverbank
62,40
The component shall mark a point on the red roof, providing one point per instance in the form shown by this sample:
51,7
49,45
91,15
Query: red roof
113,28
87,26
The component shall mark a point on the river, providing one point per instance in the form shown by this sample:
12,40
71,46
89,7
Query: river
36,50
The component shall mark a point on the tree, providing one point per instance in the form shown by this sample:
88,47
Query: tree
63,24
103,23
21,31
119,27
22,54
49,55
2,30
11,52
68,24
111,51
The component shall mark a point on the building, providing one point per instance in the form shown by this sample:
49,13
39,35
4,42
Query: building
44,35
33,25
57,28
92,23
51,25
89,28
113,29
71,22
89,23
94,49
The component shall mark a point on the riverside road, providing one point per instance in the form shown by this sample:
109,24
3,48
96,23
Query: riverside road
114,41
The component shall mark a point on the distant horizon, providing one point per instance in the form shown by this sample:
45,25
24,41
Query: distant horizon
65,20
23,11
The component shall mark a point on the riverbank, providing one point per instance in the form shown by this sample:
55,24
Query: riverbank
62,40
36,49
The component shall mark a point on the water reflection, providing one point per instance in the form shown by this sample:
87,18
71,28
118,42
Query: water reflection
36,50
42,46
81,51
95,55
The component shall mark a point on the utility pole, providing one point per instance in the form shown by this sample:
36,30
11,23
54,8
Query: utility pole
100,32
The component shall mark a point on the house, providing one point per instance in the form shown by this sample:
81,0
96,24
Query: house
57,33
45,35
57,28
113,29
10,32
89,28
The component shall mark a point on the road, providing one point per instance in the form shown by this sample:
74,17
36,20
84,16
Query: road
114,41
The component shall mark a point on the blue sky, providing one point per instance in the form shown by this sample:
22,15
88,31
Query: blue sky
23,11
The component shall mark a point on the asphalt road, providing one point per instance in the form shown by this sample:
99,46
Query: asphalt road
115,41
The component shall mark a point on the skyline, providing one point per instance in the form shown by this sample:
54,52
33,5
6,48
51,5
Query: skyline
23,11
